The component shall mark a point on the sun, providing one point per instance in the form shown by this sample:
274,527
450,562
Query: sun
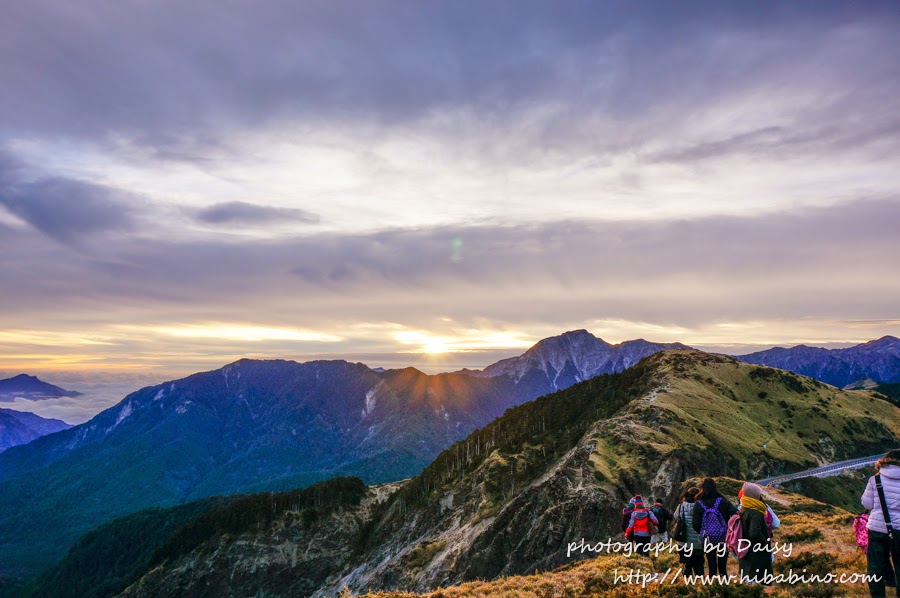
435,347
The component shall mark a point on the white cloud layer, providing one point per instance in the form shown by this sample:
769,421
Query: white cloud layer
184,184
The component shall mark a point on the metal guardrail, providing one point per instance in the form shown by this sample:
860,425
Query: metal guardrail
817,471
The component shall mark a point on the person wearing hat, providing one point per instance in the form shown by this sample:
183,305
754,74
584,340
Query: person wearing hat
626,512
640,528
758,562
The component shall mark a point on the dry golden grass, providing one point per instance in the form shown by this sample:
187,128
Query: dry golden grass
823,542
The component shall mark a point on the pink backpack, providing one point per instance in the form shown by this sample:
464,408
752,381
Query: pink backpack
862,532
733,536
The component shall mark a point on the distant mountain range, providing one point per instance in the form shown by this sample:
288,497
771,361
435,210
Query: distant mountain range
274,425
267,425
19,427
878,360
29,387
505,500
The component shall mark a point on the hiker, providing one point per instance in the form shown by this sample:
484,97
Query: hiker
757,563
664,516
641,526
690,547
626,512
711,514
772,520
884,520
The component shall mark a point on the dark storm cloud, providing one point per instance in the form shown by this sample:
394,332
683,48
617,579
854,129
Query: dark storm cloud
67,210
239,212
64,209
175,75
820,262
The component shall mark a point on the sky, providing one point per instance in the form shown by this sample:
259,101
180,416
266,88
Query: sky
439,184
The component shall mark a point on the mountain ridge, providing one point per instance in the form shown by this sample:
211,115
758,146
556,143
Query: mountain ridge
877,359
574,356
21,427
509,497
268,425
32,388
251,425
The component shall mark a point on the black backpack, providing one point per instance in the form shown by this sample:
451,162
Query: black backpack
660,515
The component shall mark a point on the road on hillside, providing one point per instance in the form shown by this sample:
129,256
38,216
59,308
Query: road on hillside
820,471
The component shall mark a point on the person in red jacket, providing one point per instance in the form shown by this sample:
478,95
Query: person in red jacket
639,526
626,512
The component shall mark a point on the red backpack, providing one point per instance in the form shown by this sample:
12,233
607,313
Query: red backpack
642,524
734,535
862,532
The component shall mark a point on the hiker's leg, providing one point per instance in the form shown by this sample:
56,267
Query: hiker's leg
712,563
723,563
695,563
878,562
893,573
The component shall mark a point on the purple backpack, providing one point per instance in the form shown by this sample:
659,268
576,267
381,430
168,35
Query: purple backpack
713,526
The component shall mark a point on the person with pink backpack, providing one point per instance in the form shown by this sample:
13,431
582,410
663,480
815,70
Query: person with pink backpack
882,496
749,535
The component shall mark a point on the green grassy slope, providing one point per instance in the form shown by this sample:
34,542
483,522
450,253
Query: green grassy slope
759,420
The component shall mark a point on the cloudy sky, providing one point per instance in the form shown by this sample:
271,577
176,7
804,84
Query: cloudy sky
440,183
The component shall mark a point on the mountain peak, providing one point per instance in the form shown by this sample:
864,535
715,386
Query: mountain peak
571,336
577,333
33,388
560,361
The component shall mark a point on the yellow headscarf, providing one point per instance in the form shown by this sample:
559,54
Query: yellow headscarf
753,503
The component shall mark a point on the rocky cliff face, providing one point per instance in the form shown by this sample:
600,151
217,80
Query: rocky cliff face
511,496
294,556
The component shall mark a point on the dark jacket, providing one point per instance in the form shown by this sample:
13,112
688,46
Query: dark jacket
626,517
757,562
664,515
725,508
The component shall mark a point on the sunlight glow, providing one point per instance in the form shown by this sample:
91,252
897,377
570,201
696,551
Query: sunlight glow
463,341
249,333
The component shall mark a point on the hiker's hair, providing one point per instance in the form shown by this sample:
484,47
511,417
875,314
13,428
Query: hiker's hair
690,494
892,457
708,489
